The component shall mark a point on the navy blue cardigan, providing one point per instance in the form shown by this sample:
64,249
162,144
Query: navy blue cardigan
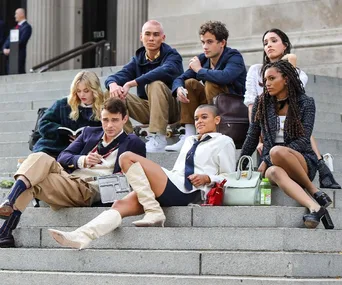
89,138
230,70
302,144
56,116
165,68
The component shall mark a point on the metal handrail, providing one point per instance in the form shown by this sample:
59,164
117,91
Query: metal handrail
57,60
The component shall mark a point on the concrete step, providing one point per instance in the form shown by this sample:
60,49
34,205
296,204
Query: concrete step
17,126
34,95
46,76
25,105
227,263
47,86
67,278
22,115
190,216
10,137
75,278
14,149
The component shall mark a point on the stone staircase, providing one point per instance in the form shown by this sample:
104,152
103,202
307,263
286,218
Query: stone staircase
199,245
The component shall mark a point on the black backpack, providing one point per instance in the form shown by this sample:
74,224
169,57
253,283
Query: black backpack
35,135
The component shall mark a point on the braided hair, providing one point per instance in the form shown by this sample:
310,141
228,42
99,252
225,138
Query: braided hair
295,88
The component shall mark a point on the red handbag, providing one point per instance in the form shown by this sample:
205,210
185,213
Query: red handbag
215,195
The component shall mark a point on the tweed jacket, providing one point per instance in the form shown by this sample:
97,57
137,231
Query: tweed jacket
89,138
301,144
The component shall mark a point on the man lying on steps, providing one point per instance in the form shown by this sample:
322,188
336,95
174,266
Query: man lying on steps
95,152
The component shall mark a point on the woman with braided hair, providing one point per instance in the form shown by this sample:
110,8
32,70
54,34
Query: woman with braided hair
277,46
285,117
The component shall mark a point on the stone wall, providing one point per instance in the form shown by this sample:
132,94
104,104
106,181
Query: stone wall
314,27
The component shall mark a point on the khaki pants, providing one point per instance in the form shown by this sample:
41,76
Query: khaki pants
198,94
160,109
51,184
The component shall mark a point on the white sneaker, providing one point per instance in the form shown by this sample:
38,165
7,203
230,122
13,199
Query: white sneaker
156,143
178,145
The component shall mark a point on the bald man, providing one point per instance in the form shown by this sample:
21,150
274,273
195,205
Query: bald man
152,70
25,31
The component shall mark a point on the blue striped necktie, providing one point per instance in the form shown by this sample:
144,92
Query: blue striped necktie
189,162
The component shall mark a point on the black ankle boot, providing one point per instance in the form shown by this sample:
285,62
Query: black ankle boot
326,179
312,220
6,237
322,199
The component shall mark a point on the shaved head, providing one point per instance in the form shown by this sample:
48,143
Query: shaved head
212,109
153,23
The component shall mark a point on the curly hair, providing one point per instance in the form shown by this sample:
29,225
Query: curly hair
92,82
295,88
217,28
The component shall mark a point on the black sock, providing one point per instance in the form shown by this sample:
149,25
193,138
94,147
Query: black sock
18,188
10,224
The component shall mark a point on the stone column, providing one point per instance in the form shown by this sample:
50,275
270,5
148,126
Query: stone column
131,15
56,28
43,15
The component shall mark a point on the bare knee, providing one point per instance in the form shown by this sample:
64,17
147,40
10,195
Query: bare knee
126,160
278,154
273,173
128,206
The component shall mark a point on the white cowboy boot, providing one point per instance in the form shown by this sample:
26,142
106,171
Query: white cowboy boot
154,215
80,238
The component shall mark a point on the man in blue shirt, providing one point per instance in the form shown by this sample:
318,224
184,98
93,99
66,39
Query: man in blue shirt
152,70
219,69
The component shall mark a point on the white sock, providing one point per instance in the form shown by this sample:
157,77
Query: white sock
163,137
190,130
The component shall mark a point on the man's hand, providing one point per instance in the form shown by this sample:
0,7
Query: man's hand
199,179
180,95
115,90
262,168
92,159
195,64
6,51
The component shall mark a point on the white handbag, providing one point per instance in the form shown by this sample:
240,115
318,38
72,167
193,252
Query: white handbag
242,186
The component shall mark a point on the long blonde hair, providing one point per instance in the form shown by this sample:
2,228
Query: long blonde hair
92,82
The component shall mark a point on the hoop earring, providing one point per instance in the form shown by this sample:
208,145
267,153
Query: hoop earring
266,59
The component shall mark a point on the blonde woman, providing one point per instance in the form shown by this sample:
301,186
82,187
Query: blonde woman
81,108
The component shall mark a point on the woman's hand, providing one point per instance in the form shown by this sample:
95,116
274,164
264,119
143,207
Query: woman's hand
291,58
259,148
262,168
199,179
71,138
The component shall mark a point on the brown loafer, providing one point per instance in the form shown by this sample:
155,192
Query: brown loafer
6,210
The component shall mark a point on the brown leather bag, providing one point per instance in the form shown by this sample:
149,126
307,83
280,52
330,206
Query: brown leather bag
234,117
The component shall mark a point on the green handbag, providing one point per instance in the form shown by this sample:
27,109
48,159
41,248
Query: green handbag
242,186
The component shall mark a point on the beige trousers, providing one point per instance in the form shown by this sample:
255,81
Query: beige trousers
198,94
160,109
51,184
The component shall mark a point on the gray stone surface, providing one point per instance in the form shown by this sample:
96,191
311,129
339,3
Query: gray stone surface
194,238
75,278
273,264
111,261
